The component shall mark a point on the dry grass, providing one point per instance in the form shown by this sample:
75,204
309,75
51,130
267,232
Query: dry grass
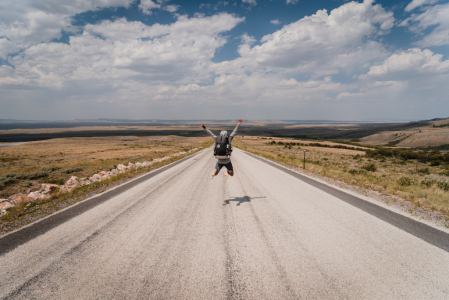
82,157
348,166
426,136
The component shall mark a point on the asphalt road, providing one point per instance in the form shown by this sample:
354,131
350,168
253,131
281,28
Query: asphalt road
262,234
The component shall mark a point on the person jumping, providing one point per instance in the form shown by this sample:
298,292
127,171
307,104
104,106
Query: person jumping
223,150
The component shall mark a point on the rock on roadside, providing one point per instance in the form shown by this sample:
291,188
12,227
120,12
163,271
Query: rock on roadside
4,205
19,198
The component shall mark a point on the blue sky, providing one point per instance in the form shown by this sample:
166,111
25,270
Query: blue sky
253,59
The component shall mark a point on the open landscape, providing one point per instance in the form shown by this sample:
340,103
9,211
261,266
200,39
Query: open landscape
209,149
415,176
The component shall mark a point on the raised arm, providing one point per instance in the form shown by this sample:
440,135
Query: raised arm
210,132
235,129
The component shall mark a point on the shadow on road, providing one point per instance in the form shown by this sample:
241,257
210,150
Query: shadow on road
240,200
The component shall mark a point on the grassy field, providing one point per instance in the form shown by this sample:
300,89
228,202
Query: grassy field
25,167
55,160
423,185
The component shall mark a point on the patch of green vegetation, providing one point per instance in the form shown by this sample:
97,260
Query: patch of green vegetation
405,181
369,167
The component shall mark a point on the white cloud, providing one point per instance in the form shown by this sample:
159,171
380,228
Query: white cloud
147,5
434,16
275,22
26,23
292,1
411,63
176,52
322,42
246,39
250,2
417,3
171,8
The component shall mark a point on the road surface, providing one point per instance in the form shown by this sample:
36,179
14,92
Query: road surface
262,234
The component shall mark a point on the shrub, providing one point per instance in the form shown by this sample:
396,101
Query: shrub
5,181
71,170
26,183
422,156
408,155
424,171
443,185
446,157
51,168
370,167
353,171
427,183
436,159
37,174
404,181
444,173
58,181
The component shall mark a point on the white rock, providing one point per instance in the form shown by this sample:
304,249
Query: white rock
102,173
86,182
4,205
114,171
37,196
122,168
106,177
146,163
139,165
72,181
131,165
47,188
19,198
95,178
73,186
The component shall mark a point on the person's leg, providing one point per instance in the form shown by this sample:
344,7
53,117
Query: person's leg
230,168
216,170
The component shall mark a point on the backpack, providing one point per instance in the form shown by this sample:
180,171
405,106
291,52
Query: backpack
221,146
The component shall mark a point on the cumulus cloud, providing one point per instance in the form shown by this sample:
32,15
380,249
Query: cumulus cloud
27,23
147,5
411,63
322,42
121,50
435,17
417,3
246,39
171,8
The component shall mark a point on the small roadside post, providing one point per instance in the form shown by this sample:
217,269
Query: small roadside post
304,159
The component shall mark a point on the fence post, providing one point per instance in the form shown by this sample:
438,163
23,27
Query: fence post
304,159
